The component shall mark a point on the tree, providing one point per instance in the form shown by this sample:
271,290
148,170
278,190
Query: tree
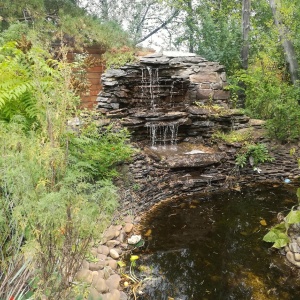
245,32
284,34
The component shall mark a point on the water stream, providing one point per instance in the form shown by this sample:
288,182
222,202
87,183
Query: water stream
210,247
163,134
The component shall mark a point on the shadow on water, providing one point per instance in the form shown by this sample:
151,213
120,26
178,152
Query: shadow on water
211,248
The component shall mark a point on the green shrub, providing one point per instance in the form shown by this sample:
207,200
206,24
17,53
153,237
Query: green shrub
233,136
254,154
271,98
56,193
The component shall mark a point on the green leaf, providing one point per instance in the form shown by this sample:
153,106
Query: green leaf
270,237
293,217
279,243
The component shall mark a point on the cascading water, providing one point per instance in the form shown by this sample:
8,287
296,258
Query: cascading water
163,134
153,86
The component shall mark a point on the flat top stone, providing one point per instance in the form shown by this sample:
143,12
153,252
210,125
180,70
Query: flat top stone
178,54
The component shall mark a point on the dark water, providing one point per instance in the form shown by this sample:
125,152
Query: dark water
212,248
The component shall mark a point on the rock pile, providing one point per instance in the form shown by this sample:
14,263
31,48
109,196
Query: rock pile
293,248
161,91
101,272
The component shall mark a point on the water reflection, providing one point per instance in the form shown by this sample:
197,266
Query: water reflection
212,248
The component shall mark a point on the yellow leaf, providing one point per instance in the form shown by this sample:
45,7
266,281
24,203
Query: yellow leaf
263,222
148,233
193,206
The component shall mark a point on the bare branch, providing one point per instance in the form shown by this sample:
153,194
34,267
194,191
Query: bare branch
176,12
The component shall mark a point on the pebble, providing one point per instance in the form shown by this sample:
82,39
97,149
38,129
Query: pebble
100,285
96,266
294,247
128,219
291,259
123,296
85,275
115,295
112,243
114,254
297,256
113,282
128,227
102,257
112,263
94,294
103,249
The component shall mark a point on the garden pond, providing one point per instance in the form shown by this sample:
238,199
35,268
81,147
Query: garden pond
210,247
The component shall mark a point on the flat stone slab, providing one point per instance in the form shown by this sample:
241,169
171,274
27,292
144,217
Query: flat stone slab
195,160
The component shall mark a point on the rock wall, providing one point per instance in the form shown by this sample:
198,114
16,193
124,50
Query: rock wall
154,177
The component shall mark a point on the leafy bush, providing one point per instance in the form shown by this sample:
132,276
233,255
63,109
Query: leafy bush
56,194
271,98
254,154
233,136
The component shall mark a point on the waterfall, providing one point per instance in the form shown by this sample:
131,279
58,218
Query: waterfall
153,86
163,134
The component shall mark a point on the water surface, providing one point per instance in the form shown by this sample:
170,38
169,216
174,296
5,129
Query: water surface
210,247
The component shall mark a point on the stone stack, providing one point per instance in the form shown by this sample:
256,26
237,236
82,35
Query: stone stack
101,272
163,89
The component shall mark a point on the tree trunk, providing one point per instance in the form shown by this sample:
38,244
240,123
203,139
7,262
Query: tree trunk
245,32
190,24
289,51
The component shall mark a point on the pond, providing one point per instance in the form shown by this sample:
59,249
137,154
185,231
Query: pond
210,247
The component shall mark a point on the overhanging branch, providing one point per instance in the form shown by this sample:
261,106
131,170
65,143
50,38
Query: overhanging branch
176,12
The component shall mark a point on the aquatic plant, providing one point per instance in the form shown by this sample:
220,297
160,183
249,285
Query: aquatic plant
278,234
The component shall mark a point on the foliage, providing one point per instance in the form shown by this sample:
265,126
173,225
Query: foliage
269,97
56,22
218,38
254,154
233,136
278,234
56,193
118,57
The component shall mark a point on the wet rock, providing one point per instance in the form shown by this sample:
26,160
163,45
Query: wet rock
192,161
290,257
294,247
114,73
